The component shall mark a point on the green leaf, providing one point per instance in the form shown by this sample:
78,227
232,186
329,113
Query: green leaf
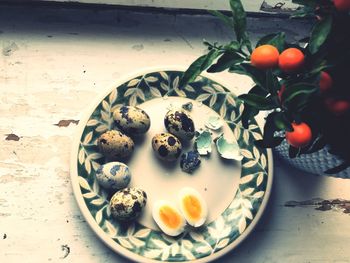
282,122
279,73
277,40
232,46
320,67
246,42
266,79
319,34
272,84
226,19
227,60
257,75
258,90
258,102
210,57
198,66
269,131
296,90
298,104
239,19
248,114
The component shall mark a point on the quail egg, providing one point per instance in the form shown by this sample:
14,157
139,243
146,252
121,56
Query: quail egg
179,123
113,175
190,161
127,204
168,218
192,206
131,120
115,144
166,146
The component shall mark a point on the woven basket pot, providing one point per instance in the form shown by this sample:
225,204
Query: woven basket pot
315,163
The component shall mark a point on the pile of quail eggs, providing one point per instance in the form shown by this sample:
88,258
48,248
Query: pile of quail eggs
117,146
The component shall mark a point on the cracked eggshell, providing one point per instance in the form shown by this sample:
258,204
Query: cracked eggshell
214,123
113,175
179,123
166,146
203,142
131,120
228,150
127,204
187,106
115,145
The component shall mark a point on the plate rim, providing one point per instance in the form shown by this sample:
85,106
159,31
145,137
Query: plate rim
107,240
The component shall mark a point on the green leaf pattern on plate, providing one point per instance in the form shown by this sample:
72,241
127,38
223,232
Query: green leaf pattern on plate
190,245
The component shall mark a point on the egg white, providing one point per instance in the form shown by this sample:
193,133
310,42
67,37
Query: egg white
167,230
204,209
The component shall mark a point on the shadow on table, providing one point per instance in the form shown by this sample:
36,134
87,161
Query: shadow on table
288,183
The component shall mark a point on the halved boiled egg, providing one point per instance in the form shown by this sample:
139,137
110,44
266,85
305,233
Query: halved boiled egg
192,206
168,218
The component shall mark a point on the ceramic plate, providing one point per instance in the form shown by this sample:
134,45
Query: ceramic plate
236,192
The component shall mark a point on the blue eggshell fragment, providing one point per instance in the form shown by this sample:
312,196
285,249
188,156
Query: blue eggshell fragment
188,106
214,123
203,142
228,150
190,161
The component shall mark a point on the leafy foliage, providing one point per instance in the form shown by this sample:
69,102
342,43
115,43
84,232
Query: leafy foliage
325,49
276,39
319,34
198,66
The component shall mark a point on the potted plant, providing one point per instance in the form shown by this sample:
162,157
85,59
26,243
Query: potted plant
303,86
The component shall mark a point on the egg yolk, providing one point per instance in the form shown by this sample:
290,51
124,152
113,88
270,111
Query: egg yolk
169,217
192,207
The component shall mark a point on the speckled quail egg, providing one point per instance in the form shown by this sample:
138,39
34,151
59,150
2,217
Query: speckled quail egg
192,206
115,145
179,123
190,161
127,204
166,146
168,218
131,120
113,175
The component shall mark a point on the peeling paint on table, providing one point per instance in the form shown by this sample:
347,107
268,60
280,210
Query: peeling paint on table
320,204
53,64
66,123
12,137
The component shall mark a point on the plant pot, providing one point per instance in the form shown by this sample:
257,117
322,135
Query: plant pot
315,163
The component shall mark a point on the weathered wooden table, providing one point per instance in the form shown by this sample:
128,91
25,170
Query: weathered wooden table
53,63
